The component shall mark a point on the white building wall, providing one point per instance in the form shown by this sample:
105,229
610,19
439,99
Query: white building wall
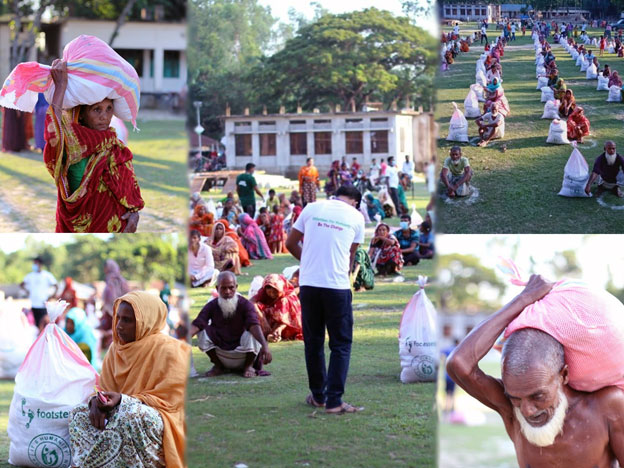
5,52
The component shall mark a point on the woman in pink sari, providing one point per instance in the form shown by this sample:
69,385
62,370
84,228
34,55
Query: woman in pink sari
280,309
495,94
253,238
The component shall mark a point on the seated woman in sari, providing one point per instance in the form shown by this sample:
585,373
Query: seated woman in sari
385,251
568,104
606,71
578,125
202,220
374,207
496,95
559,87
448,56
615,80
141,404
253,239
230,212
362,271
97,188
79,330
224,250
243,255
201,267
280,309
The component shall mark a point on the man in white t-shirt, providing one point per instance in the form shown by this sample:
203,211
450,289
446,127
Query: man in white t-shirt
491,125
408,167
37,284
333,229
484,33
393,182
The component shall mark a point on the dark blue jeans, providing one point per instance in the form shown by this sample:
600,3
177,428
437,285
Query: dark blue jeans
331,308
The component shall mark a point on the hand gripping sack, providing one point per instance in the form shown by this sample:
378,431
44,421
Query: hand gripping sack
94,72
541,82
479,91
603,83
458,128
480,78
592,72
558,133
551,109
418,338
547,94
16,337
54,378
589,323
471,105
575,175
615,94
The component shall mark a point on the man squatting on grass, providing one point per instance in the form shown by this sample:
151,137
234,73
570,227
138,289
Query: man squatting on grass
456,174
550,423
606,168
333,230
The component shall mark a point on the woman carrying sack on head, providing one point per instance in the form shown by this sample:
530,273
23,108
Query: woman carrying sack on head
97,188
141,406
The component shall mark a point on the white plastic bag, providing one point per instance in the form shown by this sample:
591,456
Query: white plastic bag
558,133
592,72
479,91
54,378
416,218
539,70
615,94
575,176
585,65
580,60
574,53
603,83
480,78
547,94
551,109
480,66
471,105
254,287
458,128
16,337
418,338
541,82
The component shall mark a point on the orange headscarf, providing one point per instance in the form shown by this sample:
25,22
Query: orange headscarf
242,251
153,369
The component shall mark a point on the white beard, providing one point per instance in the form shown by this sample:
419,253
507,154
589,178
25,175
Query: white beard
228,306
610,158
545,435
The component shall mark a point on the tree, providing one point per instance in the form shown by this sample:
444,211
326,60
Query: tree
347,59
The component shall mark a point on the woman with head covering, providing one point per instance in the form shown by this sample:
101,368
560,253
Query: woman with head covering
202,220
578,125
374,207
78,328
568,104
243,255
97,188
614,79
116,286
253,239
362,271
141,404
385,251
332,179
224,250
496,95
69,293
280,309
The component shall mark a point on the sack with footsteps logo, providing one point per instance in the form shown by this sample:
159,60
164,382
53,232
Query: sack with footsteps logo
418,348
54,378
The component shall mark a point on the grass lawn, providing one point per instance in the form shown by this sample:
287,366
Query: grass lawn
28,194
517,189
264,421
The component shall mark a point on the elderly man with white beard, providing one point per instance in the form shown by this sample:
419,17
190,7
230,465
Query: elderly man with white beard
550,423
606,168
456,174
233,337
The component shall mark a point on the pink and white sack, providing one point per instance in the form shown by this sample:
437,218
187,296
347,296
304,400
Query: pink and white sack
16,337
418,349
589,323
94,72
575,175
458,127
53,379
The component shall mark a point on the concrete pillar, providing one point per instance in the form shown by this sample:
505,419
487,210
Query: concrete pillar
159,62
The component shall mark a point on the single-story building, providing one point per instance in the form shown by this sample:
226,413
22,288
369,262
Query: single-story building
470,12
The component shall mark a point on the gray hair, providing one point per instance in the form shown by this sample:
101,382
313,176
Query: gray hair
529,348
225,274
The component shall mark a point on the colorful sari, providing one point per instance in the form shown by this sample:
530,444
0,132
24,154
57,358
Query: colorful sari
108,189
224,251
284,310
308,181
578,124
202,222
366,275
388,254
253,239
242,251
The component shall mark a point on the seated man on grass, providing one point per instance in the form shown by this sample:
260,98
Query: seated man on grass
491,125
456,174
408,240
606,168
549,423
233,338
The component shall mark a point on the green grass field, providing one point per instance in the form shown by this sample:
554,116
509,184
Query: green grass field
517,189
28,194
264,422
